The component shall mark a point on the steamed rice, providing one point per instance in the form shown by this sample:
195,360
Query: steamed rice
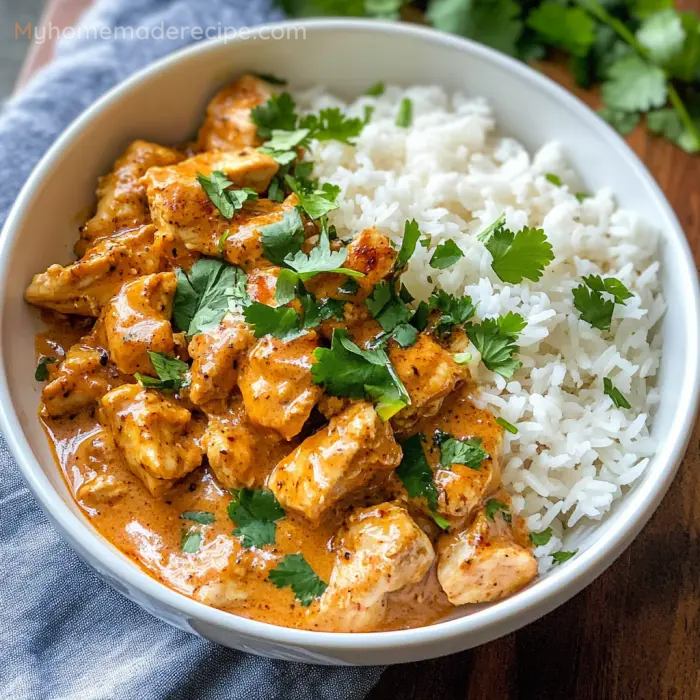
575,452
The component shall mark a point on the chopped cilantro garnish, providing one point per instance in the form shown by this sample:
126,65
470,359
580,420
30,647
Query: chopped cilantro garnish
594,308
226,200
405,335
446,255
278,113
539,539
376,90
454,311
269,78
190,541
517,256
255,514
280,322
425,241
332,125
507,426
203,294
172,373
222,240
321,258
41,373
295,572
347,370
561,557
315,312
411,234
457,451
284,237
202,517
493,506
581,196
496,340
462,358
283,144
349,287
316,203
554,179
417,476
404,116
615,394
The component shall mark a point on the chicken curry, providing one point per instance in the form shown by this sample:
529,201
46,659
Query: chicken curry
257,412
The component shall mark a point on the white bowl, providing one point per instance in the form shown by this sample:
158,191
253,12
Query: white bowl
165,103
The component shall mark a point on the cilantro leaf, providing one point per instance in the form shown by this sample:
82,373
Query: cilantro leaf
415,472
634,85
190,541
404,117
623,122
172,373
315,312
496,340
457,451
493,506
269,78
496,24
446,254
202,517
517,256
346,370
283,144
255,514
539,539
454,311
332,125
41,373
376,90
411,234
349,287
203,294
295,572
615,394
593,307
507,426
277,113
611,285
386,307
320,259
666,122
280,322
286,286
554,179
316,203
662,35
284,237
561,557
226,200
569,28
405,335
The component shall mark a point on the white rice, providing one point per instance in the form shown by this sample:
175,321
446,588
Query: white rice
575,453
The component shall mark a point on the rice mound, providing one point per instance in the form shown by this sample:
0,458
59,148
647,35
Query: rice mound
575,452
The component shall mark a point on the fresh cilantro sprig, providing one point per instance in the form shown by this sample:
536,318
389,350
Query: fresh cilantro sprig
317,202
446,254
453,311
294,572
453,450
218,188
347,370
255,514
392,313
593,306
41,373
173,374
417,476
496,340
517,256
203,295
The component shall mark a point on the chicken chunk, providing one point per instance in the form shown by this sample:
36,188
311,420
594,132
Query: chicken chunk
138,320
216,355
240,453
382,551
462,488
429,374
83,378
262,284
484,562
227,125
355,450
180,206
276,383
157,438
85,286
371,253
121,197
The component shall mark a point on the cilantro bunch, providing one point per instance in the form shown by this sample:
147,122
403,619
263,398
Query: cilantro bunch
644,53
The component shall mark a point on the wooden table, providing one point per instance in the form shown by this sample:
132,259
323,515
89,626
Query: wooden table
634,634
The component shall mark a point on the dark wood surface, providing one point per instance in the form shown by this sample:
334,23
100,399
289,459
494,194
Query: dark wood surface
634,634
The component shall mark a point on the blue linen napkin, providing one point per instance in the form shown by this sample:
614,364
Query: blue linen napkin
64,633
